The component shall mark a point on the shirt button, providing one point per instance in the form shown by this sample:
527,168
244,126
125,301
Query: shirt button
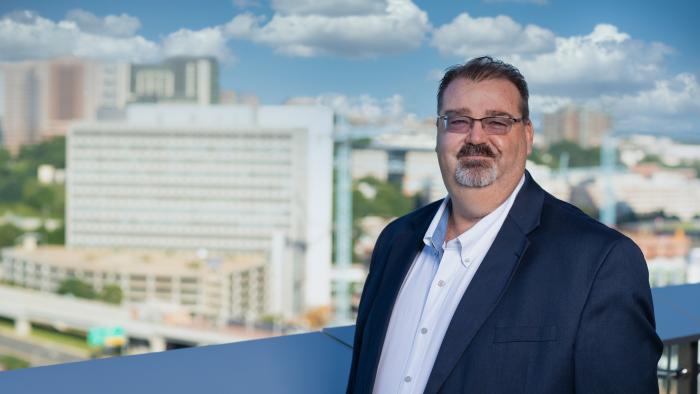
423,330
441,283
407,379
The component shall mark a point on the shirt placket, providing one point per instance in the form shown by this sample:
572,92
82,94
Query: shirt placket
432,310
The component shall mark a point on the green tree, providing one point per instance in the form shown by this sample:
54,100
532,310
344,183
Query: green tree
52,151
112,294
12,362
652,159
9,235
55,237
77,288
388,200
19,188
578,156
49,200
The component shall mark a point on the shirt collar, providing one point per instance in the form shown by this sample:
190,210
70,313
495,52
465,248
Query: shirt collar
435,235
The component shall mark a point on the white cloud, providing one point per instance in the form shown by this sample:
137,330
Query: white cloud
111,25
246,3
540,104
329,7
366,110
671,105
211,41
498,36
243,25
27,35
401,27
606,60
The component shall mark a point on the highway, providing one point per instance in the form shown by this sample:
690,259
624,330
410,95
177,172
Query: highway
34,352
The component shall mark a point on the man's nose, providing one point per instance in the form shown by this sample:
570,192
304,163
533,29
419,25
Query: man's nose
477,134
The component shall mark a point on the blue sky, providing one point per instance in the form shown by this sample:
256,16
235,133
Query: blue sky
380,60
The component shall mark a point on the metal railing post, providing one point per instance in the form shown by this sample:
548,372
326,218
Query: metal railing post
688,359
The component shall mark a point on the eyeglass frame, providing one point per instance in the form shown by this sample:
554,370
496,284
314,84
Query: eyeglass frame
473,120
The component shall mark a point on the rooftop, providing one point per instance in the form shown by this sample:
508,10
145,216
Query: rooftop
139,261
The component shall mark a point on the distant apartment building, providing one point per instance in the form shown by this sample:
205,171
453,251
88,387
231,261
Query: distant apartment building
217,289
370,163
414,170
666,256
673,192
177,79
42,98
220,178
584,126
407,159
635,148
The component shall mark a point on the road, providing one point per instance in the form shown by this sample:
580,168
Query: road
36,353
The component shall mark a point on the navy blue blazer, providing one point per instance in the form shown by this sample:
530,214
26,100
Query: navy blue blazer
560,304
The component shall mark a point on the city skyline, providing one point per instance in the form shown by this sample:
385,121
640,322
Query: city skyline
381,61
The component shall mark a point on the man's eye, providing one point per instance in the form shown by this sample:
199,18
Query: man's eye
458,121
497,123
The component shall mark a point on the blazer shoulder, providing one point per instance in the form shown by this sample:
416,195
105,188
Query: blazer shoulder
567,219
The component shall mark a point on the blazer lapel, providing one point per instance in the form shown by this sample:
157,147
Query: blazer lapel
489,282
407,244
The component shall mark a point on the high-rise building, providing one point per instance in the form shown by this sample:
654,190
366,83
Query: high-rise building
42,98
220,178
177,79
585,126
22,103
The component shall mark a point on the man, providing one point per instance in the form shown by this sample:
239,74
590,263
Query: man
500,287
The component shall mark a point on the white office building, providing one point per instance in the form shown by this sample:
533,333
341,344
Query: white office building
220,178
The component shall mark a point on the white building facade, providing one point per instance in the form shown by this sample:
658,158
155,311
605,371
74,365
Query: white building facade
220,178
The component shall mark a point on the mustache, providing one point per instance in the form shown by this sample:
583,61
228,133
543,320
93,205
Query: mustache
475,150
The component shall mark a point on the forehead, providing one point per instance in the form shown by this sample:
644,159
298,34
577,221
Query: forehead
487,96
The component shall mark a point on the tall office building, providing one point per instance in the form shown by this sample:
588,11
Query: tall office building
42,98
220,178
177,79
585,126
22,103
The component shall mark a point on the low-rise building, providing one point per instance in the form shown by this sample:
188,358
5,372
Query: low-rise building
215,288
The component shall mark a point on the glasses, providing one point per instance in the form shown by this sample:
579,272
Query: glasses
463,124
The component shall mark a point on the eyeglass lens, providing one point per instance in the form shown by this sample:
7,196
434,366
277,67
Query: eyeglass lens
464,124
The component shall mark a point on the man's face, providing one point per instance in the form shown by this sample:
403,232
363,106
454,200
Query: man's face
477,159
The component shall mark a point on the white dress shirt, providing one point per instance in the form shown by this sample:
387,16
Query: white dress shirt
431,291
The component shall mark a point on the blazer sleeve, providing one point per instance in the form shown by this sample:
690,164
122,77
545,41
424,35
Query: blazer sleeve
367,298
617,348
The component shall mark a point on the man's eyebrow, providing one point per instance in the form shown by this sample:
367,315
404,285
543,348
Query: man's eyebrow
490,112
458,111
498,113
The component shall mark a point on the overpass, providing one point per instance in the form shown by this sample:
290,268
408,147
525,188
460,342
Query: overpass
29,306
